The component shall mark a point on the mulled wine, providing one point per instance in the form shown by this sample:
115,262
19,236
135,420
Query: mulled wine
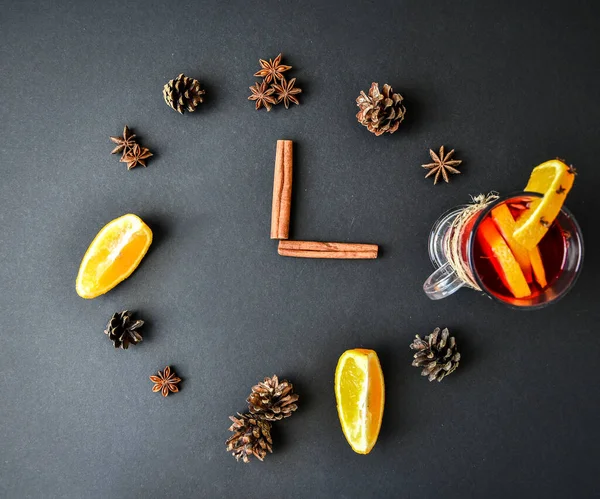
539,275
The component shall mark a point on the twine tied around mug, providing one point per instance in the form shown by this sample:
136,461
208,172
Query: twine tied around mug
452,244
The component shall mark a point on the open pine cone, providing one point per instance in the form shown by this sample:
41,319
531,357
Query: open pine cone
272,400
252,437
122,330
379,111
436,354
183,94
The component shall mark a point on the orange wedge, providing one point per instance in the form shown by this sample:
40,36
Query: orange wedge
554,180
538,267
360,396
506,224
114,254
528,259
495,248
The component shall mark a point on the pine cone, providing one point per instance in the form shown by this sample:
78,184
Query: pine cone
380,112
183,94
272,400
437,354
252,437
121,330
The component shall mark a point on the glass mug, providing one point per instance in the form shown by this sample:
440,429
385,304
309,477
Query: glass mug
561,252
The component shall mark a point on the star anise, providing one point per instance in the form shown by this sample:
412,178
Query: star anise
136,156
285,92
442,164
272,69
124,143
262,95
165,382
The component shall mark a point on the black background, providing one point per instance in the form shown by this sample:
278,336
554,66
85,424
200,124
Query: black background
508,84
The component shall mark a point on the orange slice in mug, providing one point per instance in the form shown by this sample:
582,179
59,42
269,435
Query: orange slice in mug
529,260
506,224
496,249
554,180
537,266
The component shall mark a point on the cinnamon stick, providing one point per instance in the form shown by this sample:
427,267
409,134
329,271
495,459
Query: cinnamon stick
282,191
314,249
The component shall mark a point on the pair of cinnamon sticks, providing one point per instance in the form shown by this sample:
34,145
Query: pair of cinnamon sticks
281,215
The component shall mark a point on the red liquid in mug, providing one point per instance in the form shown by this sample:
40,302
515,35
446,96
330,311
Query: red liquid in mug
552,247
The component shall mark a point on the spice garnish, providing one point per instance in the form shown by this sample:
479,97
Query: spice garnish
165,382
285,91
442,164
124,143
271,70
262,95
136,156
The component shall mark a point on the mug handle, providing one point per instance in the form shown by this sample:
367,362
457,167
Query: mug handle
442,283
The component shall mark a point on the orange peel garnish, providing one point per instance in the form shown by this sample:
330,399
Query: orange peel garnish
554,180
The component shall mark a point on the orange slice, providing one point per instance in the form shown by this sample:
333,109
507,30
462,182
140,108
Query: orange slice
554,180
114,254
360,395
495,248
506,224
538,267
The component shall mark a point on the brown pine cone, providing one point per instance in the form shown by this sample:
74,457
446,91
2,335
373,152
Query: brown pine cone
272,400
437,354
122,330
183,94
252,437
379,111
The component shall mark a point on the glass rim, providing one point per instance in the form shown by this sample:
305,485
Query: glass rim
481,216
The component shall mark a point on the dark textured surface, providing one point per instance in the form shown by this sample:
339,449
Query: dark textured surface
508,84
